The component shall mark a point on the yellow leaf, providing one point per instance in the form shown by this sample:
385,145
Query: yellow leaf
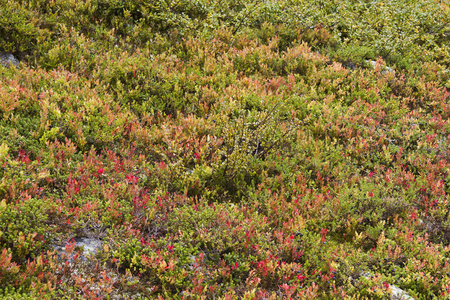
134,259
163,265
381,239
3,151
358,236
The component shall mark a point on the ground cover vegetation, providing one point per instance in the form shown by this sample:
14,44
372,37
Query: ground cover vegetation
225,149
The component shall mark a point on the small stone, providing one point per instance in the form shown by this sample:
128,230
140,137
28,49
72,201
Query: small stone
7,59
397,293
386,70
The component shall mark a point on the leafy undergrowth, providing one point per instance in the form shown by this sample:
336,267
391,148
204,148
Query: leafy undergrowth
225,149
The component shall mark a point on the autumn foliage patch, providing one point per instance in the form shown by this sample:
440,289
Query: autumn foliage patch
225,149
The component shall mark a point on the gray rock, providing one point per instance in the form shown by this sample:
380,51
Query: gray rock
386,70
7,59
396,292
90,246
399,294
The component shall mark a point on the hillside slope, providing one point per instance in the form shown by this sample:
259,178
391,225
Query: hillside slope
208,149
